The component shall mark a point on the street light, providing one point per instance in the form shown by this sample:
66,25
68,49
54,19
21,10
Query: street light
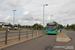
13,18
43,16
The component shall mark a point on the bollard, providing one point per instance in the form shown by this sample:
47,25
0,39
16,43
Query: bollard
27,33
6,35
19,33
32,32
37,32
42,31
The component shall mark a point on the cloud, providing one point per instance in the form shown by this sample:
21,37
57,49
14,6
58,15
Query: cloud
25,12
1,1
7,17
26,9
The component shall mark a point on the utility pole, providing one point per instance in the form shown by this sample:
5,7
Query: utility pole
43,16
13,19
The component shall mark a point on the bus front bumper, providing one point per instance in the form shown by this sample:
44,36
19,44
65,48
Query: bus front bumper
51,32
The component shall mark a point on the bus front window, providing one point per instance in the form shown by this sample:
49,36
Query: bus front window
51,27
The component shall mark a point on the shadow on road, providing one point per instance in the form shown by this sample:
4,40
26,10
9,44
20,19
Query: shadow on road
50,34
48,48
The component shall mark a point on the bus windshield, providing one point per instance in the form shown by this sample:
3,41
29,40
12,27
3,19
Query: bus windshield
51,27
8,25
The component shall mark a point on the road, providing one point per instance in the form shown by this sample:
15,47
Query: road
46,42
12,35
16,33
70,34
40,43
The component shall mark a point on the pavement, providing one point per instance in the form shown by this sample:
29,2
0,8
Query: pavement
69,45
46,42
62,37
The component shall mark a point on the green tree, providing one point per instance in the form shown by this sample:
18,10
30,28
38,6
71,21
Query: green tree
10,25
72,26
60,26
19,25
15,24
23,26
0,26
55,22
67,25
39,26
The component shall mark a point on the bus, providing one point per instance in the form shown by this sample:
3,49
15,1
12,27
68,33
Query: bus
6,26
51,28
15,26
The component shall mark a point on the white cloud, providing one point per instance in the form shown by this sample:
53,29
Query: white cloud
1,1
60,9
7,17
25,12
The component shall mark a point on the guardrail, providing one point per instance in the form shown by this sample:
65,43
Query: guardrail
18,35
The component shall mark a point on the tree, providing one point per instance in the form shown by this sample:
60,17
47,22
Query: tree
55,22
10,25
72,26
60,26
15,24
39,26
19,25
67,25
0,25
23,26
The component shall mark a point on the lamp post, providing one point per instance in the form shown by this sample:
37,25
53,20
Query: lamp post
13,19
43,16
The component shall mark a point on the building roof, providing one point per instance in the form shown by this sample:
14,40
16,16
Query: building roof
1,23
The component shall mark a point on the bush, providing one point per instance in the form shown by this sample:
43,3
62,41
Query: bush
2,29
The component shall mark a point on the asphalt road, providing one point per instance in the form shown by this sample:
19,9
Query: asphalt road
16,34
46,42
41,43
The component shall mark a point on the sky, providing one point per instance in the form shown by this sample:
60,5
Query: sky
29,12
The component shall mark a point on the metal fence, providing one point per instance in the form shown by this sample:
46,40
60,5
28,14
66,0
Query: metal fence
64,31
19,34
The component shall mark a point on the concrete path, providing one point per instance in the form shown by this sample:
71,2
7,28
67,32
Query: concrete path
66,45
62,37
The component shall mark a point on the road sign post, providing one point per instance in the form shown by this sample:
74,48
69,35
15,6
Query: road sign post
32,32
37,32
6,35
19,33
27,33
